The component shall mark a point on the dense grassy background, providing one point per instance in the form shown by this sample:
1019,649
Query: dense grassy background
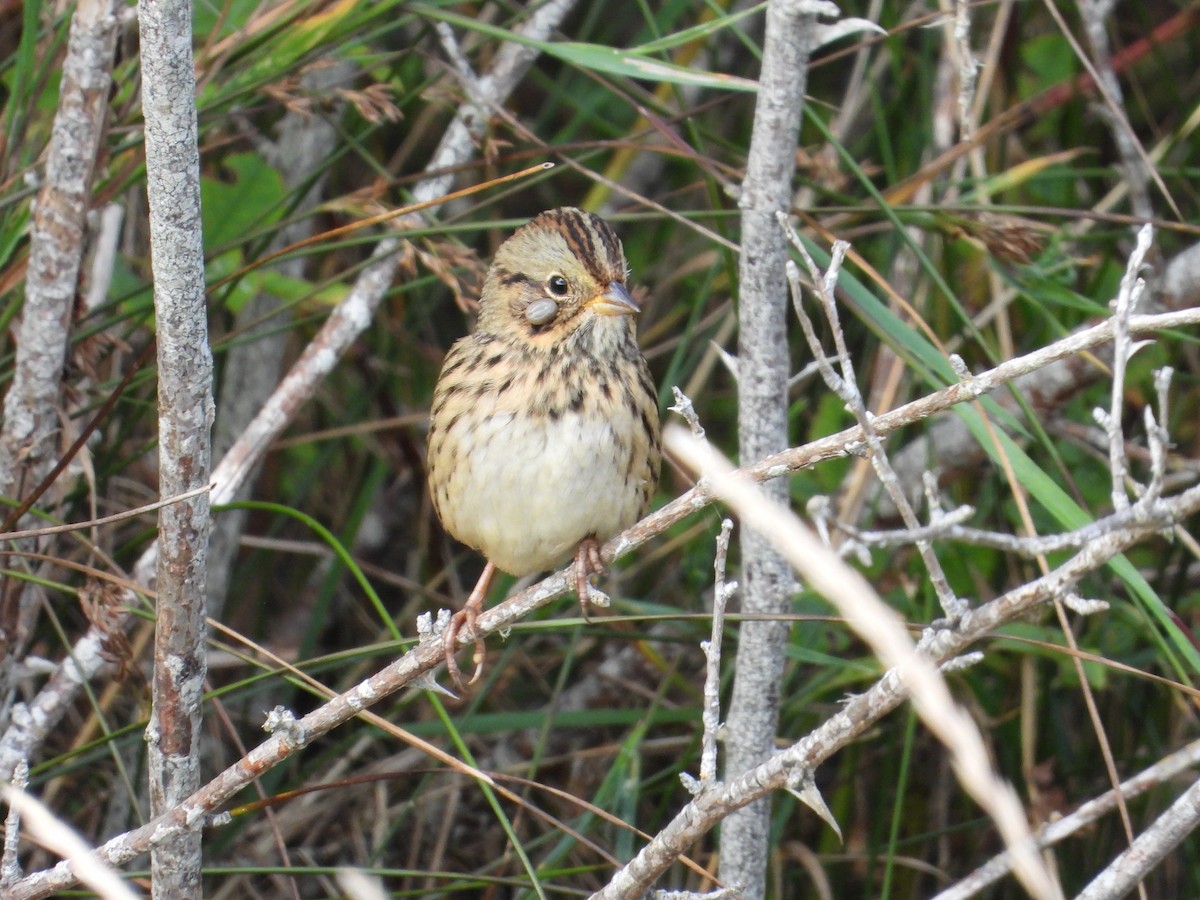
993,259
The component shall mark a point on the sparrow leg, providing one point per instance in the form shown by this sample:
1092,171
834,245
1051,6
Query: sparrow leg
466,617
587,564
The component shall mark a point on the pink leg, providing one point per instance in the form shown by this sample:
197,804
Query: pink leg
466,617
587,564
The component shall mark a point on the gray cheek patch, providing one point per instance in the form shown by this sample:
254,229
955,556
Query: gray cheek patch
539,312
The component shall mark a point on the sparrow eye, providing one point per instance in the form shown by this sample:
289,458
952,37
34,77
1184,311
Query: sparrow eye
557,285
539,312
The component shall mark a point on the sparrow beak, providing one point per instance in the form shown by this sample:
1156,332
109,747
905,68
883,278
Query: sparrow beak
614,302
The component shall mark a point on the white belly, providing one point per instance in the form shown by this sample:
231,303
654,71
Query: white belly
528,509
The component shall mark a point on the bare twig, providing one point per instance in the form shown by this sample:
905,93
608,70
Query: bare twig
1088,813
1157,438
683,407
722,592
950,528
1134,161
104,520
763,370
58,836
10,866
968,68
27,445
846,388
1124,305
31,428
185,414
1126,872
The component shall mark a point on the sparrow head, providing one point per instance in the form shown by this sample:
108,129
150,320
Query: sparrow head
555,275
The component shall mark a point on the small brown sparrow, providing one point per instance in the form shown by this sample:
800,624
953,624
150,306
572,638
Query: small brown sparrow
544,436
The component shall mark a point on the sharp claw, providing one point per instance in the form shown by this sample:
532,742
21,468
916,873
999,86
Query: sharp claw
451,645
467,616
477,658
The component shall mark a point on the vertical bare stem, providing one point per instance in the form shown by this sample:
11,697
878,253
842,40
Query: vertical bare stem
10,866
1112,107
722,591
184,420
28,442
762,418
